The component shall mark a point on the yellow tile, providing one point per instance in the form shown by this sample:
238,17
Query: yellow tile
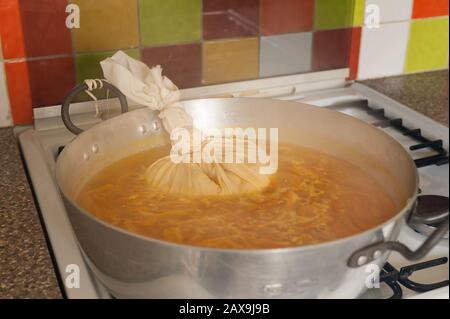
106,25
428,45
230,60
358,13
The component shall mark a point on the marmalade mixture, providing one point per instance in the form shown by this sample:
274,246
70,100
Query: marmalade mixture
312,198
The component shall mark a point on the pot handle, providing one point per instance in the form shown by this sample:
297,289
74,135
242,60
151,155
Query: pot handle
77,90
369,253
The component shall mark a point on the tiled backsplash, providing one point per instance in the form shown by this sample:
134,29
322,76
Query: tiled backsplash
211,41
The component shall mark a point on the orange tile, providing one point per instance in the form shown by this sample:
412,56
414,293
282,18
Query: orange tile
430,8
11,29
50,80
331,49
230,60
44,27
19,92
354,53
230,19
181,63
286,16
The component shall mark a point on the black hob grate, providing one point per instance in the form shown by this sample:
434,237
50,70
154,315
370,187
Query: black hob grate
397,280
440,156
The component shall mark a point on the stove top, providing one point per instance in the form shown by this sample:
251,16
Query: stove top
425,139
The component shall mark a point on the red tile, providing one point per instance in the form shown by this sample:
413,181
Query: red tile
11,29
430,8
286,16
19,92
331,49
354,53
230,18
50,80
181,63
44,27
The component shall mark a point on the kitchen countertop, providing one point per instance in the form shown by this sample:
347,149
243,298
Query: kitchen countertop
26,269
426,93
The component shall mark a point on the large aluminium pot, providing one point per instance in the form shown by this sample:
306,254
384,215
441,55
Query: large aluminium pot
130,265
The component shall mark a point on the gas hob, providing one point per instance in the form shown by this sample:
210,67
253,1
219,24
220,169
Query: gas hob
425,139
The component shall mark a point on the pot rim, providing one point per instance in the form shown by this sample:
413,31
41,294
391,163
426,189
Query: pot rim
255,251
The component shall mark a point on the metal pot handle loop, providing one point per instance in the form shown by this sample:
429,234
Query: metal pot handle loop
77,90
369,253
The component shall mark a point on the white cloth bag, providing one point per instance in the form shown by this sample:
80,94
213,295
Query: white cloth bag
147,87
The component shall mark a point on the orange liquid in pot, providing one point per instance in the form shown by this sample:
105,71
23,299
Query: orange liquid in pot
312,198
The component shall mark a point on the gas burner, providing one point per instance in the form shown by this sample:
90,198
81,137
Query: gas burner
429,205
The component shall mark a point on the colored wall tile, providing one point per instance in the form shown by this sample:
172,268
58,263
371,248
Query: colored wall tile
181,63
354,53
87,66
430,8
230,18
230,60
11,29
19,92
334,14
296,36
44,27
106,25
331,49
5,112
50,80
383,50
286,16
358,12
393,11
285,54
170,21
428,45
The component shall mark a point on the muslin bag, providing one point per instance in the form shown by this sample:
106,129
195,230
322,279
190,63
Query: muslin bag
148,87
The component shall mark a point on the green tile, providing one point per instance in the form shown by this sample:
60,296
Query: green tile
428,45
358,16
334,14
170,21
88,64
88,67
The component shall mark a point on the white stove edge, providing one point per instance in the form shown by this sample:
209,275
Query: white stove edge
57,224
